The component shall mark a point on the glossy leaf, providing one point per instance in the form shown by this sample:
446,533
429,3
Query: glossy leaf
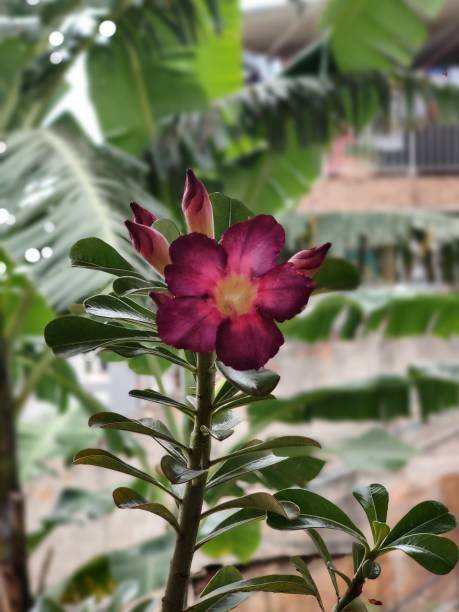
252,382
227,212
102,458
358,554
70,335
326,556
427,517
257,501
336,275
177,472
242,517
266,584
374,499
223,424
167,228
224,576
95,254
126,498
137,350
315,512
436,554
159,398
284,447
131,285
111,307
146,426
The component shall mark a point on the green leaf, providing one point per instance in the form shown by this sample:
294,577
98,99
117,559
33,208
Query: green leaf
336,275
380,532
225,575
374,499
438,555
242,517
102,458
284,447
257,501
126,498
364,39
159,398
110,307
146,426
133,350
240,542
316,512
222,425
427,517
377,450
303,569
70,335
253,382
131,285
177,472
167,228
266,584
326,557
227,212
95,254
358,554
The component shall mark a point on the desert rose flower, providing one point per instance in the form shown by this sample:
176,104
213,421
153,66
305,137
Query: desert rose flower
151,244
309,261
227,296
197,207
142,215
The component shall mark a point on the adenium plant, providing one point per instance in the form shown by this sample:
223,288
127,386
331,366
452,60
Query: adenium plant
211,305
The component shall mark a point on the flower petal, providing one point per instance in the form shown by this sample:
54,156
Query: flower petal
247,342
283,292
198,263
309,261
161,297
189,323
150,243
197,207
142,215
253,246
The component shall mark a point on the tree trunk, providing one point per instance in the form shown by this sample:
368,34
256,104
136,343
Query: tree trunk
14,587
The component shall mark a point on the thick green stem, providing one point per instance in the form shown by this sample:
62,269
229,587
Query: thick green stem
354,590
174,599
13,553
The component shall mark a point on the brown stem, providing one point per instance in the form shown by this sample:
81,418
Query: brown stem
174,599
13,550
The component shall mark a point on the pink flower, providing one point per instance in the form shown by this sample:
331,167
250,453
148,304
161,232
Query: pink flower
142,215
228,295
309,261
197,207
150,243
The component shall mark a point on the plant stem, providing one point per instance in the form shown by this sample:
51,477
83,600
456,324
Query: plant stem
13,553
354,589
174,599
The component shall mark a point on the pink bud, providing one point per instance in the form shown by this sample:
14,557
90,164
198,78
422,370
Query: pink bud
196,206
160,297
309,261
151,244
142,215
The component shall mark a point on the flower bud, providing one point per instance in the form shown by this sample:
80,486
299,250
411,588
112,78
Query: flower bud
196,206
309,261
142,215
160,297
151,244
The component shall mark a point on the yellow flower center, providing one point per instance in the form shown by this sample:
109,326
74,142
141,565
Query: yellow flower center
235,295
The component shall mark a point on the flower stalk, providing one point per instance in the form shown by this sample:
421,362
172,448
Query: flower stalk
174,599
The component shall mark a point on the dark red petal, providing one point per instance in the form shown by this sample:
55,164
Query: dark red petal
198,262
253,246
160,297
189,323
247,342
283,292
309,261
142,215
